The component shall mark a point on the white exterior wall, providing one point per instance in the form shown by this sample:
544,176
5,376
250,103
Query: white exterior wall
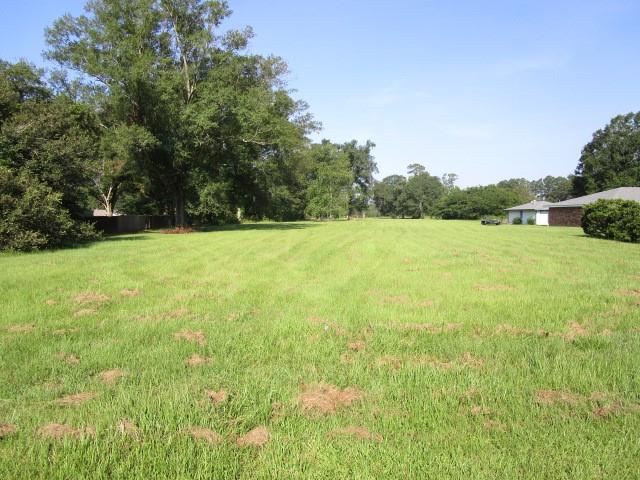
542,218
526,215
512,215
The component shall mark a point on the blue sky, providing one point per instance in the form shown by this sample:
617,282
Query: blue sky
488,90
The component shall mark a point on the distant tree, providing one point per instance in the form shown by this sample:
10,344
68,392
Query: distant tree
552,189
422,191
415,169
330,182
390,196
611,159
449,181
476,202
521,187
363,167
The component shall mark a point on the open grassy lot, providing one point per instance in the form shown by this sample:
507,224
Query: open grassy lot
364,349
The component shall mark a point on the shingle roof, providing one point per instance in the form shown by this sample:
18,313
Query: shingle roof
622,193
537,205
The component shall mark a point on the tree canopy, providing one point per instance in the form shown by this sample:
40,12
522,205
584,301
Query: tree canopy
611,159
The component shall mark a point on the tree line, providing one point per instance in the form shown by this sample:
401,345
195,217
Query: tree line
154,110
421,194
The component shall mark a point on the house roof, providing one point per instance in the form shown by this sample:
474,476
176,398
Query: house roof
622,193
537,205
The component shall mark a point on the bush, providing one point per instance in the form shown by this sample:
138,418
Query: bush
32,216
612,219
517,221
531,221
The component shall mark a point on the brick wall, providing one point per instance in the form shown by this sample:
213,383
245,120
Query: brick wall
566,217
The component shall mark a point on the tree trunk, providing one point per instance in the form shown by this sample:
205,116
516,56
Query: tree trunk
180,207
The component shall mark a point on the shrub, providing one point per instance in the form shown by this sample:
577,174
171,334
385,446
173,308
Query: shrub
32,216
612,219
517,221
531,221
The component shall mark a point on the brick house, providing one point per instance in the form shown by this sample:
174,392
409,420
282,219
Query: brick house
569,212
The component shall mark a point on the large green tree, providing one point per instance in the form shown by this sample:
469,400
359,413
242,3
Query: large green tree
363,167
612,158
330,182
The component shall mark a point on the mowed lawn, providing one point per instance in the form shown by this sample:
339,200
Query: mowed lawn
362,349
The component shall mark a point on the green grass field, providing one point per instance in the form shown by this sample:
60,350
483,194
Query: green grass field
365,349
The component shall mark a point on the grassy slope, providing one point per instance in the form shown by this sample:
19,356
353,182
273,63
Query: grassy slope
252,290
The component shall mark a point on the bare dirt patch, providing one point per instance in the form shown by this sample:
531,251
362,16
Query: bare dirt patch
517,331
130,292
21,328
607,410
65,331
395,300
347,358
191,336
629,293
478,410
464,360
356,346
431,328
389,361
326,399
75,399
426,303
356,432
51,302
575,330
59,430
493,425
83,312
255,438
217,397
178,313
493,288
553,397
7,429
111,376
205,434
68,358
90,297
129,429
196,360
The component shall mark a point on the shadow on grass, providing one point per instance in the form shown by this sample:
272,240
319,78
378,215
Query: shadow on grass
260,226
125,237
